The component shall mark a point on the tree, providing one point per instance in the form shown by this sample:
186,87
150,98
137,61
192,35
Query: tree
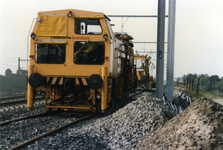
189,75
220,85
206,83
214,79
195,76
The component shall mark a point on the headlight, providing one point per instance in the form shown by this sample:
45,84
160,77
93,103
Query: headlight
33,36
69,14
98,96
105,36
95,81
39,19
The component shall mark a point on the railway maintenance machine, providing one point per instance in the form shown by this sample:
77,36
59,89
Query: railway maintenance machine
75,55
143,68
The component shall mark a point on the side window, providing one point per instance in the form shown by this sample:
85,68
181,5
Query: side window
87,26
50,53
89,53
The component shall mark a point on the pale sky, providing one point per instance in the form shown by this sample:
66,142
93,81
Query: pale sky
198,35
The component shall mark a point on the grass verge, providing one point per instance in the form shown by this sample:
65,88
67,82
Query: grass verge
200,93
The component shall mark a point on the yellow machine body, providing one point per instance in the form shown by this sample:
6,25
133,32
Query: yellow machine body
74,55
143,66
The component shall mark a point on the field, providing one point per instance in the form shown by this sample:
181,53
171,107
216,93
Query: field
195,96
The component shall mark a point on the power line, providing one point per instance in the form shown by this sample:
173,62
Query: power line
8,65
136,16
146,42
8,56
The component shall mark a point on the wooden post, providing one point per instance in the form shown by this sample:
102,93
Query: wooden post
198,85
192,84
187,83
184,82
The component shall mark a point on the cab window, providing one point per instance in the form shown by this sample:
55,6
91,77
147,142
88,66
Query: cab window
89,52
141,63
87,26
50,53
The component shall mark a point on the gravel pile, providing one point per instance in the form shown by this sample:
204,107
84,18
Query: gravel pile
200,127
123,129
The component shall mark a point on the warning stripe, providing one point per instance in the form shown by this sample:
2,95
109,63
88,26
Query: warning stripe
55,80
84,80
59,81
81,81
49,80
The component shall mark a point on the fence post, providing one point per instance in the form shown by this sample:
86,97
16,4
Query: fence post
198,85
187,83
184,83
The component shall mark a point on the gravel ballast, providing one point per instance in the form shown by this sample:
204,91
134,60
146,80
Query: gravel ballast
146,123
121,130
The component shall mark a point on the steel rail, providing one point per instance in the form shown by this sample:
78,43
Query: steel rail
11,97
23,118
135,94
17,101
50,132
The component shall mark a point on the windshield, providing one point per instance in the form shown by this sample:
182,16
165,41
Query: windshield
50,53
141,63
89,52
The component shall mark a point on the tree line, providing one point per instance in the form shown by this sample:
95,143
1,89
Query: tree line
206,83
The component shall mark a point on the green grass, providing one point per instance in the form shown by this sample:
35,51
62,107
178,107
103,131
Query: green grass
194,94
200,94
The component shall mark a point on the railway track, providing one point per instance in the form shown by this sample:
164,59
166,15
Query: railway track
23,118
47,133
11,97
42,114
11,102
135,94
51,132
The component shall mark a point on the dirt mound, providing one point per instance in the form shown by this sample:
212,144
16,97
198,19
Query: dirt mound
200,126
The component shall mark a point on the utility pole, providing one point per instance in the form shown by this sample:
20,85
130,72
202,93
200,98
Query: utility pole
170,50
160,48
19,68
19,63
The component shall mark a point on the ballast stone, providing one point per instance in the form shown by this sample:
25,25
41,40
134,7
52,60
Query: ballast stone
120,130
123,129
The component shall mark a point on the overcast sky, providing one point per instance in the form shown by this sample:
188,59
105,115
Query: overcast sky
198,38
